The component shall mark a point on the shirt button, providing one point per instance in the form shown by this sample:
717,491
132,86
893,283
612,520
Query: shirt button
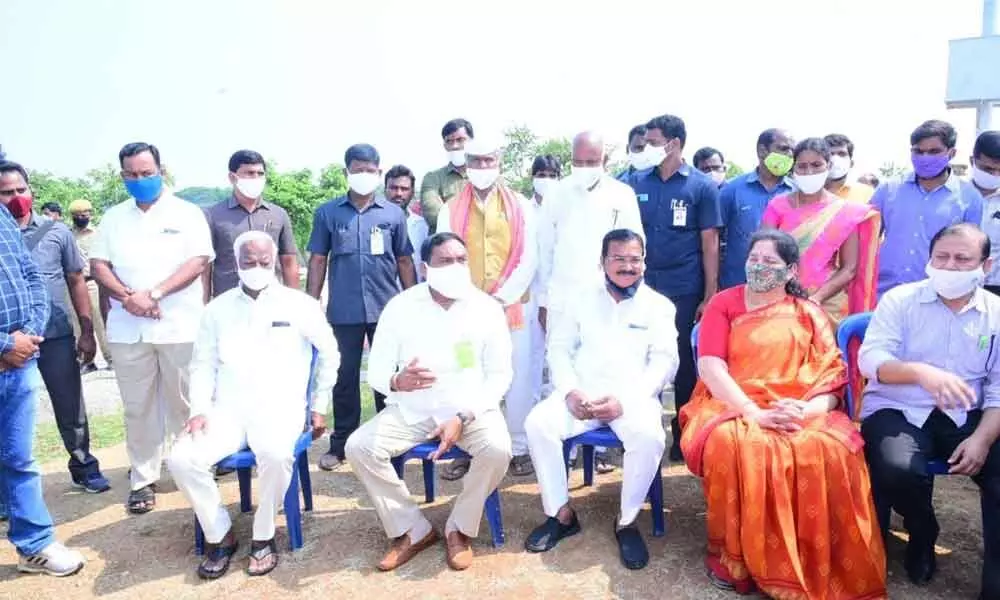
911,252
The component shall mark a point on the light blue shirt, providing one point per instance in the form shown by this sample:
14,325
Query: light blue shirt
742,201
911,217
912,324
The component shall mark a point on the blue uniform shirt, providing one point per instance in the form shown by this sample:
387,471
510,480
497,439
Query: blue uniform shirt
362,276
742,202
674,213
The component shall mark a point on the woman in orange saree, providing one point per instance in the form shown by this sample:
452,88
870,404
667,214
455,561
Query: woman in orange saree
789,501
837,239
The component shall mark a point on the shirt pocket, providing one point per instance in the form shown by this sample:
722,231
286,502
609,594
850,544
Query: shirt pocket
345,240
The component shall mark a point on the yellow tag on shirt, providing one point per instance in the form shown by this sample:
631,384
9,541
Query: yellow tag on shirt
464,356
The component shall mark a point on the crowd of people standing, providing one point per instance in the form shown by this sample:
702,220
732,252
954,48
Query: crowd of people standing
466,294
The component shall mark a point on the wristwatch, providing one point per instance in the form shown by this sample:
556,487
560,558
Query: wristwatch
465,418
156,294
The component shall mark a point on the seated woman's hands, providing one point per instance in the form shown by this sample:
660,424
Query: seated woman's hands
785,417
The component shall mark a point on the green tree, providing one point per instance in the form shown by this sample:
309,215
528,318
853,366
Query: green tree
300,194
520,150
733,170
204,196
891,170
61,190
106,186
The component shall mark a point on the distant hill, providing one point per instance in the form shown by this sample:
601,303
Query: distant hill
204,196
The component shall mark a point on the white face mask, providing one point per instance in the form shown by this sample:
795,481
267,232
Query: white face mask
256,278
457,157
655,155
363,183
251,187
810,184
451,281
482,179
586,177
985,181
542,185
719,177
954,284
640,161
840,166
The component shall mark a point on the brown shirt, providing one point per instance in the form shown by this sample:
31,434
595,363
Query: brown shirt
437,188
227,220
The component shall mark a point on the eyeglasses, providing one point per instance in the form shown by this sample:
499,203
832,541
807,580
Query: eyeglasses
632,261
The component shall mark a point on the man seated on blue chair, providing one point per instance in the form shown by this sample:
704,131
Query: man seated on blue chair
442,355
250,370
610,354
930,355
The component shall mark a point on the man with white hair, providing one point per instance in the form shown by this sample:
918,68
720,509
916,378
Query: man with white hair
576,215
250,371
498,227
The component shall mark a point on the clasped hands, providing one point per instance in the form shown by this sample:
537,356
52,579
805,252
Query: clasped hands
605,409
141,304
785,416
25,346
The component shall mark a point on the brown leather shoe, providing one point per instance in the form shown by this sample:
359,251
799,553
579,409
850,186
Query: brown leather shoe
402,550
459,551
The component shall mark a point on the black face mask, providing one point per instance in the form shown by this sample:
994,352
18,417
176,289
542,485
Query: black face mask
81,222
627,292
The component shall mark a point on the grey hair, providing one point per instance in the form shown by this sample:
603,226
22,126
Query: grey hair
254,236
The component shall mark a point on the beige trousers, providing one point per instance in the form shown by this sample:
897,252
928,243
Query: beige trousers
387,435
95,316
153,381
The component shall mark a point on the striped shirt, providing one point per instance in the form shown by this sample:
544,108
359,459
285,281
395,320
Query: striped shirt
24,301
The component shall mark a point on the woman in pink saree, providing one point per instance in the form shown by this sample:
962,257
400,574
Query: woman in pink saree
838,240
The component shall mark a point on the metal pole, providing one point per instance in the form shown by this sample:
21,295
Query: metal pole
984,112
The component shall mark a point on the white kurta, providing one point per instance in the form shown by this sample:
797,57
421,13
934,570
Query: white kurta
602,347
249,376
520,398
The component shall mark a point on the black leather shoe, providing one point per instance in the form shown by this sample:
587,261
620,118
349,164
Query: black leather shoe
547,535
920,563
632,547
675,453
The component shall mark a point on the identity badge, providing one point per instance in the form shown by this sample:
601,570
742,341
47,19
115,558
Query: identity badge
642,197
464,356
378,242
680,212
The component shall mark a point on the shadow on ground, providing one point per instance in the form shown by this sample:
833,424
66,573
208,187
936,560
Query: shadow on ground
152,556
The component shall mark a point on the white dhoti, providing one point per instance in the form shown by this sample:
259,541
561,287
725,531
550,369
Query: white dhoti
526,385
640,428
370,448
271,437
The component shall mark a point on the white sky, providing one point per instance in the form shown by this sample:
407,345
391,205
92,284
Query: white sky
301,80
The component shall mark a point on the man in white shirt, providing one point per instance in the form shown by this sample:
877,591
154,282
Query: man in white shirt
400,184
442,355
149,255
498,226
610,354
577,213
239,400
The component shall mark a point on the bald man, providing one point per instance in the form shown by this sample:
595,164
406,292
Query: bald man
576,215
498,227
249,376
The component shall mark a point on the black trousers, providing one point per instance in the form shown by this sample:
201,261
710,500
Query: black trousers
347,391
61,374
687,306
897,454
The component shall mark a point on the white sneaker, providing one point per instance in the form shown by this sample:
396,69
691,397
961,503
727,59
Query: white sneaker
56,560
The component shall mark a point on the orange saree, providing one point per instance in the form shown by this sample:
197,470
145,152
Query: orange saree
791,514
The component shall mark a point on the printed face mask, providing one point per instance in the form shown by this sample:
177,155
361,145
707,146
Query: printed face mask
764,278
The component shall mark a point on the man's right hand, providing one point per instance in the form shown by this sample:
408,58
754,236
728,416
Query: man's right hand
579,405
195,424
949,390
25,346
413,377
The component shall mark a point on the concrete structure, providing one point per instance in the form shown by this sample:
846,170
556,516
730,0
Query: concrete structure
972,80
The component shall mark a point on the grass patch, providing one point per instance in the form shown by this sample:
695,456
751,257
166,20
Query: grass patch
109,430
105,430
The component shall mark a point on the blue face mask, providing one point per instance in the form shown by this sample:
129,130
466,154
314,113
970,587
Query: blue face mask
145,190
627,292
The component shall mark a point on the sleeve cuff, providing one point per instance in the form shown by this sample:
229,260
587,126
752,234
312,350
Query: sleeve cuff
870,363
6,343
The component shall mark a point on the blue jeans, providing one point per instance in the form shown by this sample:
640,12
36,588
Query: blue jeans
30,528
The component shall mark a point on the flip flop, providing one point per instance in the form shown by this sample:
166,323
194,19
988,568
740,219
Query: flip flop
216,561
259,553
141,501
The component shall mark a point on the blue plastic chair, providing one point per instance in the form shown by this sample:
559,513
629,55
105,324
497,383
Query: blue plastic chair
605,437
422,453
851,328
244,460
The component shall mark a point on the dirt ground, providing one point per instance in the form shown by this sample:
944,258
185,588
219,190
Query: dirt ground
151,557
